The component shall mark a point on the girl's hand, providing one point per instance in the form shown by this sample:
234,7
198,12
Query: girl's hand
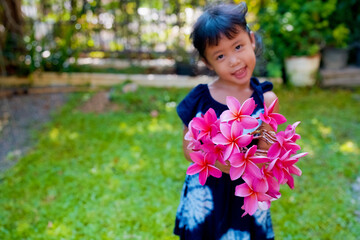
222,167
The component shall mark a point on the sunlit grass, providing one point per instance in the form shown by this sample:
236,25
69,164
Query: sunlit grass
118,175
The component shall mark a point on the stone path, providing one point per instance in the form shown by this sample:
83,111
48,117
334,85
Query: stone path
19,117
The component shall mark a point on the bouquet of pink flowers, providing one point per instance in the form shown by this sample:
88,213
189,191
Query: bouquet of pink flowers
223,139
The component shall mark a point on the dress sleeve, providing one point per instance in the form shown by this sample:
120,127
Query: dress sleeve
266,86
260,88
187,108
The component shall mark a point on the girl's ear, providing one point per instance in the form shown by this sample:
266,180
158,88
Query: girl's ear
207,64
252,39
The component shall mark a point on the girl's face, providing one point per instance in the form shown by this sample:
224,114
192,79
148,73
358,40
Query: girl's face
233,60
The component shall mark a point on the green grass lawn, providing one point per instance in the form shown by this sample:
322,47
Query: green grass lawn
118,175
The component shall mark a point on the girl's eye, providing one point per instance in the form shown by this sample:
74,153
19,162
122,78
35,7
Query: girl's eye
220,57
237,47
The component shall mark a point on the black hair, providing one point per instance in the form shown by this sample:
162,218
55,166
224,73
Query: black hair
223,19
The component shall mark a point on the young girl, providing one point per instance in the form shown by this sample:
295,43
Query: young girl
227,46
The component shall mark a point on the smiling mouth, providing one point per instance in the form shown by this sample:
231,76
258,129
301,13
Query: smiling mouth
240,73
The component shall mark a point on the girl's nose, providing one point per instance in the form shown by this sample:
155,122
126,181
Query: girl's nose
234,60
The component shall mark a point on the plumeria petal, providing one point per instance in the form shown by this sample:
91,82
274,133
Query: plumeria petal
215,172
197,157
272,164
236,129
202,135
203,175
295,170
199,123
214,129
228,151
243,190
280,119
251,151
233,104
237,159
292,146
290,129
266,111
236,172
248,107
263,197
279,175
289,179
273,124
251,204
272,105
264,118
210,116
227,116
280,137
300,155
244,140
274,150
252,169
285,156
249,122
210,159
194,169
260,185
289,162
259,159
225,129
220,139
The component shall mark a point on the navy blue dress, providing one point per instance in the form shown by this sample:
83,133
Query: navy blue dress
212,211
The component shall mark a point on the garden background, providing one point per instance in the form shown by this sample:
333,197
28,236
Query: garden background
104,160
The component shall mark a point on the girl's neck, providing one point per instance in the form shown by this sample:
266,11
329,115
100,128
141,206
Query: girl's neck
220,89
231,86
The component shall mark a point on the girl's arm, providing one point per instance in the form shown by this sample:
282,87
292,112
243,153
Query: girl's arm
187,152
185,144
269,97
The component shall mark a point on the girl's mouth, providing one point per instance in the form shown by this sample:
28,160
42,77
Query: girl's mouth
240,73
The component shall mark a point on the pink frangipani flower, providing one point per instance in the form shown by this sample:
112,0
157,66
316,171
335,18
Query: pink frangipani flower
282,145
290,132
204,165
246,163
282,168
232,137
273,185
192,136
278,168
252,193
241,113
207,124
271,118
292,169
218,150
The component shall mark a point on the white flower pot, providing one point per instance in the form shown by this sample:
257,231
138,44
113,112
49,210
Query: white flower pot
302,71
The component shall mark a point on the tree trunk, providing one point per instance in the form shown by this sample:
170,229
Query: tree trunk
11,16
11,40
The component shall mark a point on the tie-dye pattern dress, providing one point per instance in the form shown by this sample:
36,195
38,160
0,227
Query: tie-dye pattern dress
212,211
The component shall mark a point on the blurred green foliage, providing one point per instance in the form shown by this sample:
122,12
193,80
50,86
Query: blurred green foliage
118,174
305,28
296,27
57,32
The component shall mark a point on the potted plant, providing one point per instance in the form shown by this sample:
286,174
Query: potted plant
294,32
343,36
336,53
